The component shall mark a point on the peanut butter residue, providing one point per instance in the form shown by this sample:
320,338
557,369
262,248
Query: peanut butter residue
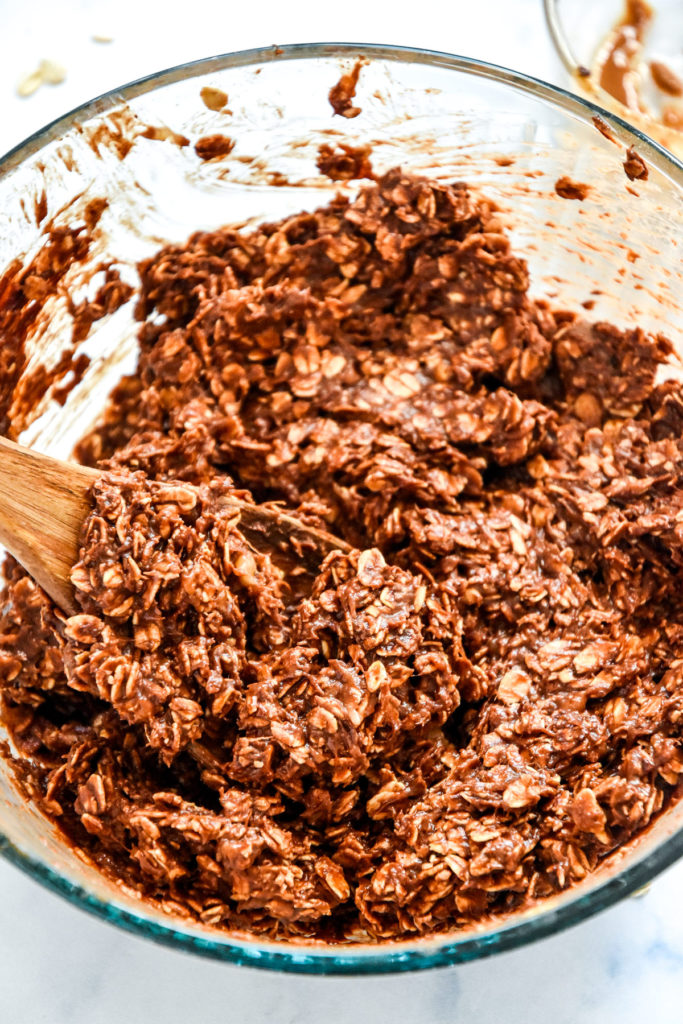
647,86
618,66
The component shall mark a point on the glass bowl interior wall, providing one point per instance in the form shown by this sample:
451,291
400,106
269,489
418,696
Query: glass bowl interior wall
433,114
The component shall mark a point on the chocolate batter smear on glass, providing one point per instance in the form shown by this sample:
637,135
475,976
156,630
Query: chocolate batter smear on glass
465,714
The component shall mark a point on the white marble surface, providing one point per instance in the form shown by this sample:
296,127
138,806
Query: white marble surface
60,966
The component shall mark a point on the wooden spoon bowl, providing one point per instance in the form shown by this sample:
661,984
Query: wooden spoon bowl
44,501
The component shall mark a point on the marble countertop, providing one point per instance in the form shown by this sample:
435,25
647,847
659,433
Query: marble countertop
60,966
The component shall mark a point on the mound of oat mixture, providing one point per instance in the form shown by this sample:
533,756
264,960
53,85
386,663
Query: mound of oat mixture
465,714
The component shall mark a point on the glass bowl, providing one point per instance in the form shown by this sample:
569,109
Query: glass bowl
579,29
512,137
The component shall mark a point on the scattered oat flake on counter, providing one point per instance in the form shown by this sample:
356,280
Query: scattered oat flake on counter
48,72
51,72
30,83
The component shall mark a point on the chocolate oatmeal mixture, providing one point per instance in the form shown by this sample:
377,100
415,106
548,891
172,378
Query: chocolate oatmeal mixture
465,713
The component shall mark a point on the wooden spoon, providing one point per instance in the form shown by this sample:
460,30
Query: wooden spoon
44,501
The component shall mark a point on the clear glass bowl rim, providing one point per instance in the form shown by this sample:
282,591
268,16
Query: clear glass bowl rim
416,954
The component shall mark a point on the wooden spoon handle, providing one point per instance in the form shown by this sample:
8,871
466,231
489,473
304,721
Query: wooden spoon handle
43,503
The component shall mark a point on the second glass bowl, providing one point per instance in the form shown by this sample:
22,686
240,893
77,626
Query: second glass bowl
579,30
